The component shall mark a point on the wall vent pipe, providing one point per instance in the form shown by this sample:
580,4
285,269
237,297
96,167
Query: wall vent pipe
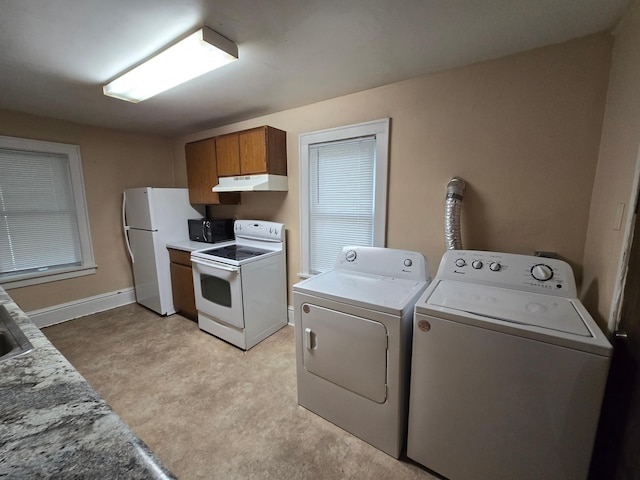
453,205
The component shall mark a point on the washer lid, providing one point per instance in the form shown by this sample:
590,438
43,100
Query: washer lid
513,306
377,292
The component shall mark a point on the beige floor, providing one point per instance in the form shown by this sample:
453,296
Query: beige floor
210,410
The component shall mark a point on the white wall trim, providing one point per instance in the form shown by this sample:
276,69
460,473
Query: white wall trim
79,308
290,315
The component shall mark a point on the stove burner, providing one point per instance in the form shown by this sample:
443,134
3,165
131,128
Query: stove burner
235,252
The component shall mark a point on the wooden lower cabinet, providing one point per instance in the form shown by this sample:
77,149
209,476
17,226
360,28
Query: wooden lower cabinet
184,299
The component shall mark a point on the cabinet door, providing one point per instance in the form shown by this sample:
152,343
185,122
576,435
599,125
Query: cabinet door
228,155
202,174
253,151
184,300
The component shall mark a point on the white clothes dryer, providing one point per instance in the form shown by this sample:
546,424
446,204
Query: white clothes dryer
508,370
353,339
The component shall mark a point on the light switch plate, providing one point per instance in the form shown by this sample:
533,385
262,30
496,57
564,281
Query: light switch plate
617,222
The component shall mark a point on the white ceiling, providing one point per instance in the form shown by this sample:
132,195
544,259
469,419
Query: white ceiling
56,54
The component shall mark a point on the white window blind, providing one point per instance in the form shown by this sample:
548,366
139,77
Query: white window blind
43,226
341,206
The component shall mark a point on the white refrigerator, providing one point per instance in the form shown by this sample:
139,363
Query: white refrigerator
153,217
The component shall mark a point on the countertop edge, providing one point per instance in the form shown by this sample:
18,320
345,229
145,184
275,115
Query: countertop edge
55,424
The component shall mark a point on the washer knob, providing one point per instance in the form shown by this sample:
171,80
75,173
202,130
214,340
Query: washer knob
542,272
351,255
477,264
460,262
495,266
407,262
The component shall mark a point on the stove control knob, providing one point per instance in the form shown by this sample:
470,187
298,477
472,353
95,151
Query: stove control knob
351,255
495,266
460,262
477,264
542,272
407,262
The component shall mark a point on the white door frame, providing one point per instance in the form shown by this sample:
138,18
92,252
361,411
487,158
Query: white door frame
621,276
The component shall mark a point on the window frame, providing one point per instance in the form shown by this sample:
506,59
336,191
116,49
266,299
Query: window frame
379,129
88,266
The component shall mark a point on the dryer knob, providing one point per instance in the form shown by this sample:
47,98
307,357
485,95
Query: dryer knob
407,262
460,262
495,266
351,255
477,264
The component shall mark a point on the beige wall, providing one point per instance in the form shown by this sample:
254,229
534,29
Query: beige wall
523,131
616,167
111,162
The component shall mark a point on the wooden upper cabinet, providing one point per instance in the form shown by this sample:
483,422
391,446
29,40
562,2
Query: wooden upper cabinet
254,151
228,155
202,174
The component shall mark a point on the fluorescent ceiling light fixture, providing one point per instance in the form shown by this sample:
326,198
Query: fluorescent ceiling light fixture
199,53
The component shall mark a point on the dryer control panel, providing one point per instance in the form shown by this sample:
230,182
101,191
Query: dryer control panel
521,272
388,262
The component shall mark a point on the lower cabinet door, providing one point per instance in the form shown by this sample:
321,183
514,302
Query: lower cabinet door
184,299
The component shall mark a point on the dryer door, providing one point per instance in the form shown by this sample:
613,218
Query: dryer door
346,350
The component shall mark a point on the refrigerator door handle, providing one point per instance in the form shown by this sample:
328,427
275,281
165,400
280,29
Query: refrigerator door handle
125,227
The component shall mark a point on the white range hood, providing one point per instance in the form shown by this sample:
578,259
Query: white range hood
252,183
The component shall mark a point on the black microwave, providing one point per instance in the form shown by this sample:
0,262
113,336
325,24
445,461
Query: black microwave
210,231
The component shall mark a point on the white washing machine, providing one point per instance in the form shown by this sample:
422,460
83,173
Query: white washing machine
508,370
353,339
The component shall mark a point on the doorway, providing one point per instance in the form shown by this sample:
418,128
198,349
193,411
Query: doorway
616,454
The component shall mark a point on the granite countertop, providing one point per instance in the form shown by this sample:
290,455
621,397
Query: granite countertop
55,425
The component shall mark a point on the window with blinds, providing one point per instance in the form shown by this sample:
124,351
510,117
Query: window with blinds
343,191
43,226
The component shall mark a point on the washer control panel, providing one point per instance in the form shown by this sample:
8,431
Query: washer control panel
388,262
522,272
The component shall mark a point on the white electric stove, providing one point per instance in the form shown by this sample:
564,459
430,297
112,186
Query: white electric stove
240,287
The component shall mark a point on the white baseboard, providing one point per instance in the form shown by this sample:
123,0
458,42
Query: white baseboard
290,315
79,308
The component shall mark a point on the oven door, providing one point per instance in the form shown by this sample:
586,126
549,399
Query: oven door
218,290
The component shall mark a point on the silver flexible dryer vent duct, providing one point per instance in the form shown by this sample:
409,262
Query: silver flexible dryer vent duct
453,204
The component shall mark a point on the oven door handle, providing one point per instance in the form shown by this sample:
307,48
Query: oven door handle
205,263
